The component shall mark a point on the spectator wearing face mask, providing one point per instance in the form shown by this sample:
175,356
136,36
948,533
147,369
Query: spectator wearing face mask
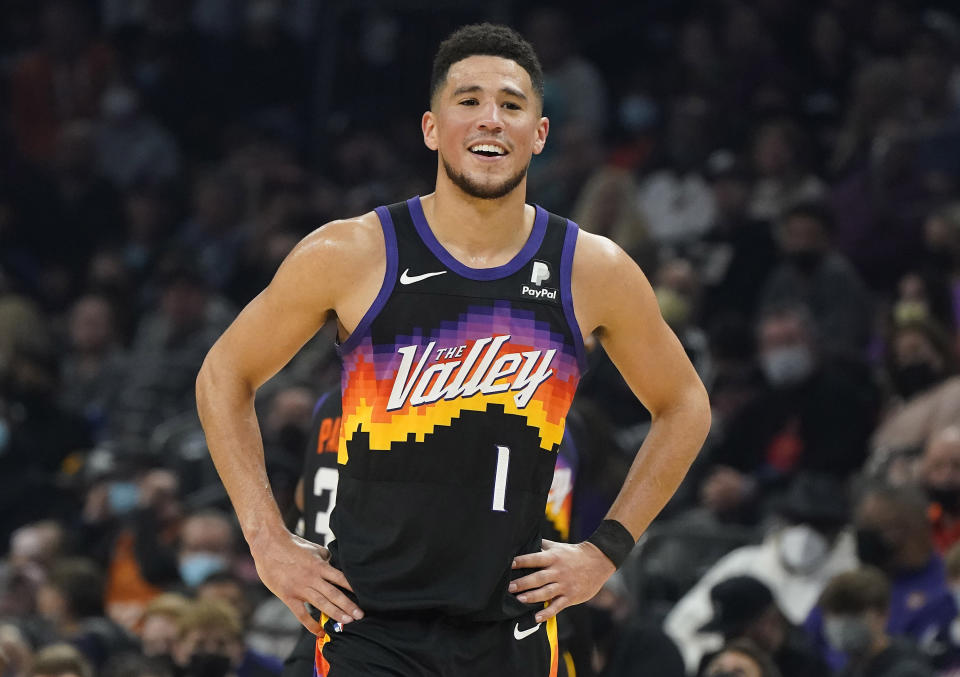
136,665
793,424
625,643
738,252
856,607
921,369
209,641
677,287
131,145
893,535
131,517
813,273
794,561
741,658
34,548
939,475
744,608
71,601
207,546
231,589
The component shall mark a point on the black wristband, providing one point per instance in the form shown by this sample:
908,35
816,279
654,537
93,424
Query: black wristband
613,540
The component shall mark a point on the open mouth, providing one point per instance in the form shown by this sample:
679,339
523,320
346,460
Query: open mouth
488,150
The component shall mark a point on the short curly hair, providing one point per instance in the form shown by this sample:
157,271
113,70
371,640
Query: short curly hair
485,39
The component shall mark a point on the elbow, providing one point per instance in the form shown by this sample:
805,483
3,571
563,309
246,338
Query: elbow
706,415
205,385
216,382
690,413
701,416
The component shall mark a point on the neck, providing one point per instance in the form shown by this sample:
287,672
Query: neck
917,557
479,233
879,644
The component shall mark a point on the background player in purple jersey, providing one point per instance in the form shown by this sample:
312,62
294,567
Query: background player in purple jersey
485,122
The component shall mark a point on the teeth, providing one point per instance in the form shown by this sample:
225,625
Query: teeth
487,148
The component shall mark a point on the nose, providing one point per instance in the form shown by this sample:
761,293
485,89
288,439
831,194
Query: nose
490,119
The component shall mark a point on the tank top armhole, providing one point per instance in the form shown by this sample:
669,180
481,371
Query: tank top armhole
566,292
389,280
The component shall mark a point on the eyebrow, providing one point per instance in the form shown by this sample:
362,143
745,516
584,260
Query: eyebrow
470,89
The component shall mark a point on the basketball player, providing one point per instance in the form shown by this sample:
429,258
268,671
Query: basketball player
461,317
316,496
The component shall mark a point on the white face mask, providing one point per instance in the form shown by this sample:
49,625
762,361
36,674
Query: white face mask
802,548
788,365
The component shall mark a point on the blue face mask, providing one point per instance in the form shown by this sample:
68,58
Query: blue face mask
123,497
196,567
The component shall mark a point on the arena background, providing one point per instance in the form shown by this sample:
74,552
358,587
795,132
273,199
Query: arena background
787,173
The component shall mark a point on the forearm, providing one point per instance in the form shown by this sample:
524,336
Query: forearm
225,404
669,449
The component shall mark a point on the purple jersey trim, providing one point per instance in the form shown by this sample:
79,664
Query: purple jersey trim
316,407
389,281
566,293
484,274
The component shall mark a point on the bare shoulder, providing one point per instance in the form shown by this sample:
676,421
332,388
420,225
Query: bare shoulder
342,243
604,279
331,273
334,265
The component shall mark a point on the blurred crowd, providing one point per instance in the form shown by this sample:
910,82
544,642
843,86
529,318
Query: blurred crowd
787,173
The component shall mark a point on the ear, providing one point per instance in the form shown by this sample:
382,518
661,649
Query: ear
543,127
429,127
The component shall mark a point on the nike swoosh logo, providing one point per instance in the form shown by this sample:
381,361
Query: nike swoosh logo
410,279
520,634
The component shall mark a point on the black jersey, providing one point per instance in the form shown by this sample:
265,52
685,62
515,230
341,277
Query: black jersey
320,477
456,385
320,470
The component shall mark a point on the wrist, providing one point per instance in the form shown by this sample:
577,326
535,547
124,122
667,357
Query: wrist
614,540
264,535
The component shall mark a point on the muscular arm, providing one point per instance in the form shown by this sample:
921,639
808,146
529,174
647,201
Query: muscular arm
334,272
613,299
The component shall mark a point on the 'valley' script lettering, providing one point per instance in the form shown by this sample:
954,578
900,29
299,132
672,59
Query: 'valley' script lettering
449,380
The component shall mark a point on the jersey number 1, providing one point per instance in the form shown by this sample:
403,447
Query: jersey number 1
500,481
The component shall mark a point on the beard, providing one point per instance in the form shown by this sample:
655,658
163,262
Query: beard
481,192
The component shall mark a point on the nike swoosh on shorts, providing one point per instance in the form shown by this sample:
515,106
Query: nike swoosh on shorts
520,634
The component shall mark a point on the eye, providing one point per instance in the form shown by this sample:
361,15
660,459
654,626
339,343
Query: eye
510,105
468,102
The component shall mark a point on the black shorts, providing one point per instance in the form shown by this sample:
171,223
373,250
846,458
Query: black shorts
431,646
300,662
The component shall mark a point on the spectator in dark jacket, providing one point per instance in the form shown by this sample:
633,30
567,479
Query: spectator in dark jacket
814,274
745,608
794,424
894,536
72,602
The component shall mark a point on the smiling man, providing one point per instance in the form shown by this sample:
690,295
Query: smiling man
461,317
